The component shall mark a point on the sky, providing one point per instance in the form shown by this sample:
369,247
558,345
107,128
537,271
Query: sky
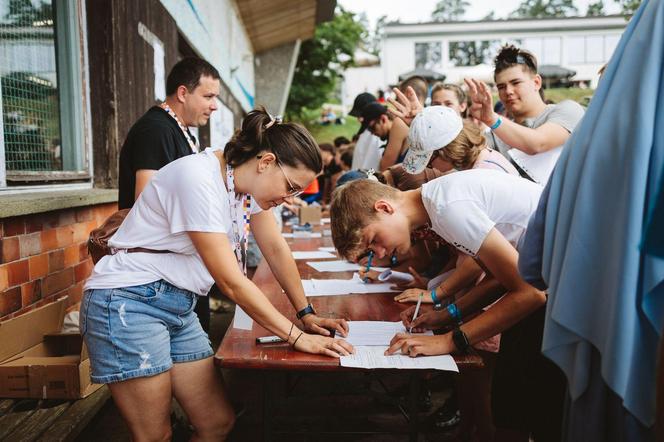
413,11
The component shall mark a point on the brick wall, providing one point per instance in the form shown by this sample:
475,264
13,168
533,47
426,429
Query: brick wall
44,257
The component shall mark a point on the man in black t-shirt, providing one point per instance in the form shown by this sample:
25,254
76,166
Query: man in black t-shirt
161,135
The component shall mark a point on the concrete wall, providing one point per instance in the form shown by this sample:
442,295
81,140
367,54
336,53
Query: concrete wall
274,75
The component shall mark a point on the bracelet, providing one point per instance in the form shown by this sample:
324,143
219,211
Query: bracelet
437,303
291,331
454,312
460,340
497,124
298,337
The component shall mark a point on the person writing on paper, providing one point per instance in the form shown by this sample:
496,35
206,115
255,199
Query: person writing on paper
484,214
137,315
534,140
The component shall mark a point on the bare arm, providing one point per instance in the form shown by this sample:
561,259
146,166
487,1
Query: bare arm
397,138
278,255
216,252
143,177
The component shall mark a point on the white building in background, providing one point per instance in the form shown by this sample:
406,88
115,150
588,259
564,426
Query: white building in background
467,48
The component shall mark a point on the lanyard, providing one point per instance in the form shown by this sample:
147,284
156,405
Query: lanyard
193,145
240,237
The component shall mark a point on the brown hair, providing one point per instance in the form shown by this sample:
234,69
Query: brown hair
291,143
419,85
352,210
406,181
510,55
463,151
461,95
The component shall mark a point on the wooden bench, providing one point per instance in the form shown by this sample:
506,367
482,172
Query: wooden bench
49,420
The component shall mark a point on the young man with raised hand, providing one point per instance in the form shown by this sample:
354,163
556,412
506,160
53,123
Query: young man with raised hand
534,140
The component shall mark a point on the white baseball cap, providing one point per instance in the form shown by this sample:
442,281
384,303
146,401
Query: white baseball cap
432,129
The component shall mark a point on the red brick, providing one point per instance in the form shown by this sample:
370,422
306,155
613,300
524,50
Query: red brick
10,249
14,226
71,255
65,236
18,272
4,278
84,214
57,282
50,220
38,266
81,231
76,293
31,292
10,301
56,260
30,244
34,224
83,270
67,217
49,239
83,251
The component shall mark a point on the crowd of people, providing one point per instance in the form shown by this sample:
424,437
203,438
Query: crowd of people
442,182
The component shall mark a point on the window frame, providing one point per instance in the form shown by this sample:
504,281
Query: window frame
72,71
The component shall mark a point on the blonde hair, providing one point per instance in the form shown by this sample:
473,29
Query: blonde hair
463,151
352,210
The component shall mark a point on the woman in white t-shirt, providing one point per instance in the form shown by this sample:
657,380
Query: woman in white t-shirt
137,311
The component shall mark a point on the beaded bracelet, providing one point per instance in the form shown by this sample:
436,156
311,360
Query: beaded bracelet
296,339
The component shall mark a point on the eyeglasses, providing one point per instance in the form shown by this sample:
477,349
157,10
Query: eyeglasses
292,190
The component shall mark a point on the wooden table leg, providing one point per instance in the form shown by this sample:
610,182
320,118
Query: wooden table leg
414,387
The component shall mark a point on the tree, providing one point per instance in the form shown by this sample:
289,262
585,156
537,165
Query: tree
490,16
374,39
629,7
321,60
545,8
450,10
596,9
24,13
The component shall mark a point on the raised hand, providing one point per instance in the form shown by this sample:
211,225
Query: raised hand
406,106
482,101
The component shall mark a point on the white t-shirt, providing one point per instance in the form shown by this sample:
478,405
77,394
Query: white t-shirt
464,206
566,114
186,195
367,153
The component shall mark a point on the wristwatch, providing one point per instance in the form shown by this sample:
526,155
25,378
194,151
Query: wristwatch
460,340
309,309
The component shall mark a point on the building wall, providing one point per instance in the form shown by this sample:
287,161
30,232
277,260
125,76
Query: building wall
44,256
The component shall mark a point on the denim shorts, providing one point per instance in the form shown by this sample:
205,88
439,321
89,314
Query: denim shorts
140,331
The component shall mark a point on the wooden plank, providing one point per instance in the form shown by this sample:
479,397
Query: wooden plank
9,422
76,418
37,423
6,405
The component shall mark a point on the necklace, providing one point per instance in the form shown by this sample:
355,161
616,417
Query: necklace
193,145
240,236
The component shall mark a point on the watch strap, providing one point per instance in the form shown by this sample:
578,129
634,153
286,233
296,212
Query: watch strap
308,310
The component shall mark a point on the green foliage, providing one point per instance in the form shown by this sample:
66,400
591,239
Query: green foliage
449,10
321,61
628,7
327,134
545,8
596,9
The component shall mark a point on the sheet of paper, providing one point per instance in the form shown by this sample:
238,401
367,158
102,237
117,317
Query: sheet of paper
376,332
332,287
395,277
314,254
373,357
301,235
338,266
328,249
325,220
242,320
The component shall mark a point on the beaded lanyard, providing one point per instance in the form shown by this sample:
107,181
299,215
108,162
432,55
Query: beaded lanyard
240,237
194,146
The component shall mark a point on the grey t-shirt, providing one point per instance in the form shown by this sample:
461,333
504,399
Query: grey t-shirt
567,114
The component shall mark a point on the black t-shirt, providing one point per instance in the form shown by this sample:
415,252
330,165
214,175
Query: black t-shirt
152,142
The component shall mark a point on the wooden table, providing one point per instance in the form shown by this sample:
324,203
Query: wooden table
238,349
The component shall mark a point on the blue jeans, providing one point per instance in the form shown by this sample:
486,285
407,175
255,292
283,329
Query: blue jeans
140,331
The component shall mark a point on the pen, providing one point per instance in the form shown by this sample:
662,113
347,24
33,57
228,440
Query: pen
417,310
371,254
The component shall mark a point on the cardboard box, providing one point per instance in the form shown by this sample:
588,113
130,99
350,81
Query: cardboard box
36,361
311,215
